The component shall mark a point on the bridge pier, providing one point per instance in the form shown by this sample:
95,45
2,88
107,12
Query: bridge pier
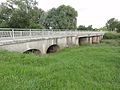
85,40
101,37
72,41
90,40
96,39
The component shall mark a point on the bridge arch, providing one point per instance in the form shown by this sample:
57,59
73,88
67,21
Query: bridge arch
33,51
53,48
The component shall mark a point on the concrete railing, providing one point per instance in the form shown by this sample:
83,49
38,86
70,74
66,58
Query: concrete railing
10,34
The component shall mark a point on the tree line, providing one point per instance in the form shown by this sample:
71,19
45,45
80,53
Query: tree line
86,28
27,14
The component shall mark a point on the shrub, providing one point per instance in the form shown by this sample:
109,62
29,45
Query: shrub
113,42
111,35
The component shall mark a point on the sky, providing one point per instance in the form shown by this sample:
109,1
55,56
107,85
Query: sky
90,12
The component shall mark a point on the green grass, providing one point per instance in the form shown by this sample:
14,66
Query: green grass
113,42
94,67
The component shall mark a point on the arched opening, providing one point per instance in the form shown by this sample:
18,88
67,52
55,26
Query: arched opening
33,51
53,48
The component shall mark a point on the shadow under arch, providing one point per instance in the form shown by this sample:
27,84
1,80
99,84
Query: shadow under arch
33,51
53,48
83,40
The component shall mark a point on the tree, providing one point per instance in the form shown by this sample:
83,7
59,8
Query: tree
26,14
90,28
5,14
35,18
64,17
103,29
51,19
112,24
19,19
118,27
20,14
81,27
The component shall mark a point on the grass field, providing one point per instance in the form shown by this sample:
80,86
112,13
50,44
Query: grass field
90,67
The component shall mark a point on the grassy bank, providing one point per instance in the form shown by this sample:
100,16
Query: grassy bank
95,67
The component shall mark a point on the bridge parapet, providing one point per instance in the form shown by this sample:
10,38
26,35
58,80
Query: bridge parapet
45,40
12,34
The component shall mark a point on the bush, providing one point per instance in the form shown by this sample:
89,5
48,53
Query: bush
36,25
111,35
113,42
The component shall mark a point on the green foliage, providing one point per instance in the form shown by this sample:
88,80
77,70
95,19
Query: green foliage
63,17
26,14
82,68
118,27
111,35
103,28
36,26
20,14
112,42
50,19
19,19
5,13
89,27
82,27
35,15
3,24
113,25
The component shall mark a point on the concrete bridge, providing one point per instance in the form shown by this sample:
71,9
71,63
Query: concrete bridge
45,41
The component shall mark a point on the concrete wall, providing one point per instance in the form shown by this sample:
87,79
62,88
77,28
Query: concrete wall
95,39
43,44
85,40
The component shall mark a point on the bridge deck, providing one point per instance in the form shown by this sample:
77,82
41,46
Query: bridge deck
13,36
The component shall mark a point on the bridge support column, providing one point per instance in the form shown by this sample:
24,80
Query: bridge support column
85,40
101,37
95,39
77,41
72,41
90,40
43,49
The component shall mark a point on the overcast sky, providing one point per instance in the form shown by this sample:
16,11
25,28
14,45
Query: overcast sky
90,12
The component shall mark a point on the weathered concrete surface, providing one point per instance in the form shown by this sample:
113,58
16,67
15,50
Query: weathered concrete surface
42,44
95,39
85,40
